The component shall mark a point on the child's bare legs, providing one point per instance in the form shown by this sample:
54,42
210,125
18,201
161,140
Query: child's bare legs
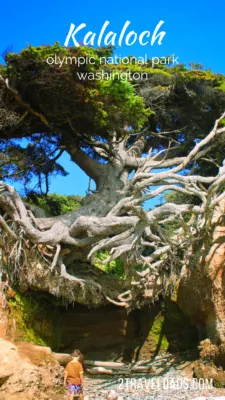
71,397
3,301
81,396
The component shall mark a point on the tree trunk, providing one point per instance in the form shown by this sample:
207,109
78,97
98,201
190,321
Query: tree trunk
72,286
100,202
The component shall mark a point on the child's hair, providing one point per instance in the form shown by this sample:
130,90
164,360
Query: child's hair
4,277
76,353
81,359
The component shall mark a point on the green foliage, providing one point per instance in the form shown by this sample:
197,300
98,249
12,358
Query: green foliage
196,66
61,84
114,267
21,163
123,104
180,198
55,204
222,122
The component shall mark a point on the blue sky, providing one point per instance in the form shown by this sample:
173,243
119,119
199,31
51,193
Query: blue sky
194,32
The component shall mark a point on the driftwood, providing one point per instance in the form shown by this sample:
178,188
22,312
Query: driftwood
99,370
112,368
106,371
140,369
127,371
62,358
106,364
106,367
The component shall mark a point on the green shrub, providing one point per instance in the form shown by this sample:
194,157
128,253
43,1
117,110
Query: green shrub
55,204
115,267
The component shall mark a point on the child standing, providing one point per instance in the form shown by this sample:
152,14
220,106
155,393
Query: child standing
73,376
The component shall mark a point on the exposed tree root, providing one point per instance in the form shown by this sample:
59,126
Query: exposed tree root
122,226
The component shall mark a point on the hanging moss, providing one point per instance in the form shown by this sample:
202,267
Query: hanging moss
33,321
23,313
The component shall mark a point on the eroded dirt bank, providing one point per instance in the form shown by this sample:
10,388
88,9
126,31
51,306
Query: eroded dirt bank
106,333
161,335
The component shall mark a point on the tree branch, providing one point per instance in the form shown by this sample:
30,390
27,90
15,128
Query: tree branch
91,167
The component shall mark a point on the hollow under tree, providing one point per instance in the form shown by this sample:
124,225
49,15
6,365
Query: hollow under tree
90,121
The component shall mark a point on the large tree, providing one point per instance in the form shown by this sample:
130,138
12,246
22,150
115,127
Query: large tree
136,141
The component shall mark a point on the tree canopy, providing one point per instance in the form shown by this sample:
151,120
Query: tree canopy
56,111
